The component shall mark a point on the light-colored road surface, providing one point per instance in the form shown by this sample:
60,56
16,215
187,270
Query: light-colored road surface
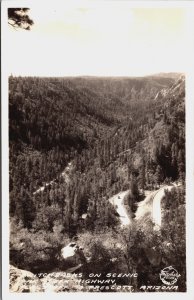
64,174
117,201
150,207
156,206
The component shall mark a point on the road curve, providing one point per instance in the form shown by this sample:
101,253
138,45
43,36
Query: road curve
156,205
118,202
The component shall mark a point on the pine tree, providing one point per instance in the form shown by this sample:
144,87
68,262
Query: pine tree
159,175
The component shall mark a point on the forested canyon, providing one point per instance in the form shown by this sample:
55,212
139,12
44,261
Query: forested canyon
87,157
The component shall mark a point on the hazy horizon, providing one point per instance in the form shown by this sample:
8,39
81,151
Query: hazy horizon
101,76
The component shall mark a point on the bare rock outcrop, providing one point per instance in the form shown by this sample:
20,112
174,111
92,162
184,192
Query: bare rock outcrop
23,281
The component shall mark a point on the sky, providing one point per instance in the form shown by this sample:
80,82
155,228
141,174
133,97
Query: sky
101,38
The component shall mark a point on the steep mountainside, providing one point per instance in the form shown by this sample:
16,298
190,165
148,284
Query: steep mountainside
76,143
125,89
54,121
164,146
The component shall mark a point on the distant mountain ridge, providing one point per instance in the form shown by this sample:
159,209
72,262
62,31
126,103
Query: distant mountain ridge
173,75
124,89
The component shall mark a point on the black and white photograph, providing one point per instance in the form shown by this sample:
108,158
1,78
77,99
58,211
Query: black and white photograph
96,162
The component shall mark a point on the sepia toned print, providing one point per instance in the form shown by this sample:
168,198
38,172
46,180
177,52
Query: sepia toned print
97,149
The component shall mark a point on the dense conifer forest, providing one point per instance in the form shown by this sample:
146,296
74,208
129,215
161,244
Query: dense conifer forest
76,142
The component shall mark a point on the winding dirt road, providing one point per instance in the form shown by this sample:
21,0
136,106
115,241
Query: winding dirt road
156,206
149,208
64,174
118,202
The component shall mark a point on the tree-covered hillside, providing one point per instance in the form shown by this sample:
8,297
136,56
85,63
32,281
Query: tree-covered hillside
75,142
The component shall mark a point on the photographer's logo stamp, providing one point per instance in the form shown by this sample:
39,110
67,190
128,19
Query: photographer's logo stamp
169,275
